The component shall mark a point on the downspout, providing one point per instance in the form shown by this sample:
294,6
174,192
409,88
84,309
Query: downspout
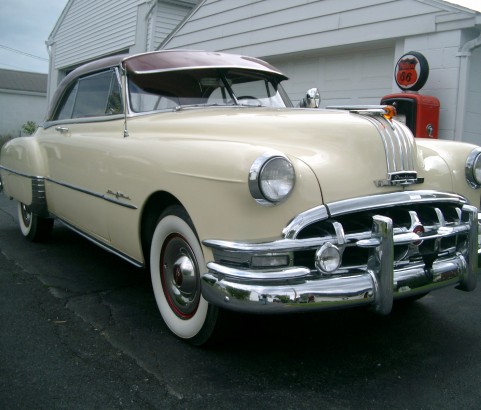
464,54
49,44
150,25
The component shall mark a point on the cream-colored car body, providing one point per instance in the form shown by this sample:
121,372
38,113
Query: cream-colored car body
202,157
110,177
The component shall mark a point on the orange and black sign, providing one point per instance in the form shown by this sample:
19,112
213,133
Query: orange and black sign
411,72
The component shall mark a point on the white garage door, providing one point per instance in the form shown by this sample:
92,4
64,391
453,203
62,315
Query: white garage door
351,77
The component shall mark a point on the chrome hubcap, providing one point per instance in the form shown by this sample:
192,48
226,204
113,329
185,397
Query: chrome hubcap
26,215
180,276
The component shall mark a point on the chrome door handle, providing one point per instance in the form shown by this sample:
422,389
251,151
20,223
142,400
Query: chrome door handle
62,130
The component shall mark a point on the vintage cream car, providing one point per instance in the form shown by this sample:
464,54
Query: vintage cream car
196,165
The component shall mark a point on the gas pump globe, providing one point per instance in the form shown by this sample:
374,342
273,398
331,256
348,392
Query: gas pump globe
419,112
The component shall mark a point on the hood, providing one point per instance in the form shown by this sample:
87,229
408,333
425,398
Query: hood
350,154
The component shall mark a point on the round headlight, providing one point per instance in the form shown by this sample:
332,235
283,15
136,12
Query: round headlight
271,179
473,168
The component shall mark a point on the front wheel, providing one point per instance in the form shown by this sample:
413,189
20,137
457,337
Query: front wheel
176,264
34,228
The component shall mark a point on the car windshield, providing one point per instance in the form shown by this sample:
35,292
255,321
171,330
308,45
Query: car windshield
173,90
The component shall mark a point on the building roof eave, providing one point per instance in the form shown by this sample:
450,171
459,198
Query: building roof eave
51,37
453,21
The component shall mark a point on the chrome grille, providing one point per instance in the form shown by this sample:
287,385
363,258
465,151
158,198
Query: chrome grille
443,232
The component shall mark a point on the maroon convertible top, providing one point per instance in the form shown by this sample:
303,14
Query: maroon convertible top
163,61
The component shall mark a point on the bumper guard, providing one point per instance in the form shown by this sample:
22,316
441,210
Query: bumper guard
298,289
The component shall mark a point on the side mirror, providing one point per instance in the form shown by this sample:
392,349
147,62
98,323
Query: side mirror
312,100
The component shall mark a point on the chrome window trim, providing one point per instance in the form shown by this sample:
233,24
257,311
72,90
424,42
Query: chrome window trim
83,120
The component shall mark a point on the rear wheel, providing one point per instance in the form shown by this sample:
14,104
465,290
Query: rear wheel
176,265
34,228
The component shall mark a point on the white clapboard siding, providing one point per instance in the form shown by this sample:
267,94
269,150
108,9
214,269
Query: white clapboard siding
273,27
85,33
167,17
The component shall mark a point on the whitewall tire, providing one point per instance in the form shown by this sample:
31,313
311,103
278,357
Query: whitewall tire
176,265
34,228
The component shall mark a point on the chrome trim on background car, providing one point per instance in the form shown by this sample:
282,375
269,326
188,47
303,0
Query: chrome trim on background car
469,169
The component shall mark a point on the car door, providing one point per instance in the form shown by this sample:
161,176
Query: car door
86,127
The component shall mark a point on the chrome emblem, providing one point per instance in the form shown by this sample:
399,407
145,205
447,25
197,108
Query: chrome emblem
401,178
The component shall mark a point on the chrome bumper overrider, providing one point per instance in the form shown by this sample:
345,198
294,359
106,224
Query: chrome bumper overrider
382,280
479,234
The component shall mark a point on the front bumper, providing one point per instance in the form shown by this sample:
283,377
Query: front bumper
378,283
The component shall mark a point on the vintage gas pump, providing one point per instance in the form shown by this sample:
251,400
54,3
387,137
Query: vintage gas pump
419,112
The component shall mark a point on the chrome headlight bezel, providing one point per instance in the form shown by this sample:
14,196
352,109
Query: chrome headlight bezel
473,168
263,186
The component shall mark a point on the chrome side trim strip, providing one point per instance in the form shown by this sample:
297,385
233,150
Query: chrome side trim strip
20,173
102,245
94,194
40,184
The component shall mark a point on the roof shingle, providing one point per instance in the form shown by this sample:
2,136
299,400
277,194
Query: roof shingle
23,81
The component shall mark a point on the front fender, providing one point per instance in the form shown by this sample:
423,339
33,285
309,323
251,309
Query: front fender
219,200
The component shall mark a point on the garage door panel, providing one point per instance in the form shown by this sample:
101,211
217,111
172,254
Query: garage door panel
353,77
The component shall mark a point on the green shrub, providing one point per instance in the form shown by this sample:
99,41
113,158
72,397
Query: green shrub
29,127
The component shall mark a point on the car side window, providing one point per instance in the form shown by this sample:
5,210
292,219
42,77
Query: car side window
65,111
92,96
